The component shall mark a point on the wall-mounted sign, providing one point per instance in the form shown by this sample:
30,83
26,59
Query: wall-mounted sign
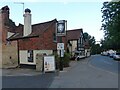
61,26
60,46
49,63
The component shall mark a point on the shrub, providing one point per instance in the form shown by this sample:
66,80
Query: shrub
65,59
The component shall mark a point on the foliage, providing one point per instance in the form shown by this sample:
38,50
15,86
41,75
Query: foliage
90,38
111,25
95,48
66,60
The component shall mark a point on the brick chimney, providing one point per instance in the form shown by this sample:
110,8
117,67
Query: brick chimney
5,13
27,22
4,18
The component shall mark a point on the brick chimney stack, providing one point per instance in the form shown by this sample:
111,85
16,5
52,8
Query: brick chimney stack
4,18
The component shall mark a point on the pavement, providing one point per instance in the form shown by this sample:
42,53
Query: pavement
20,72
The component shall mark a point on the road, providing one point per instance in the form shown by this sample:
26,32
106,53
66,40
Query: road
105,63
93,72
36,81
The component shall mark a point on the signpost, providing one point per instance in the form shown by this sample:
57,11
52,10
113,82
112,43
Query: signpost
61,26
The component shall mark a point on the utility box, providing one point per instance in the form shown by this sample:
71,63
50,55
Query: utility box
39,62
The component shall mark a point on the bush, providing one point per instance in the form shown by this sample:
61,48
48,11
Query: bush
66,60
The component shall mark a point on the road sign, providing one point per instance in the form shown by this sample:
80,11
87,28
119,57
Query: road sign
60,46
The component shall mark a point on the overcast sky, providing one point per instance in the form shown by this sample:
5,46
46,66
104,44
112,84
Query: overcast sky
86,15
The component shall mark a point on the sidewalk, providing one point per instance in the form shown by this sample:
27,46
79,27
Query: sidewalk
20,72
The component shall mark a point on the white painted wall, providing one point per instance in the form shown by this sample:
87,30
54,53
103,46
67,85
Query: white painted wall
24,56
87,52
74,46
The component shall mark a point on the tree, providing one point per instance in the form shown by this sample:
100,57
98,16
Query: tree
111,24
95,48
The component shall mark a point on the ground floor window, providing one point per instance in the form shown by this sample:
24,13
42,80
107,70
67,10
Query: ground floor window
30,55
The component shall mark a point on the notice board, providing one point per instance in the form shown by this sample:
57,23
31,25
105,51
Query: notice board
49,63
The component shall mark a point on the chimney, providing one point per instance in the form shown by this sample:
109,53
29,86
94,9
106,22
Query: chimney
27,22
4,18
5,13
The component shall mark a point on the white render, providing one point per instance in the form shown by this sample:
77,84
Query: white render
24,56
73,47
27,24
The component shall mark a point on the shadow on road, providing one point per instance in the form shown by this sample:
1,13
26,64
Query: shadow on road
38,81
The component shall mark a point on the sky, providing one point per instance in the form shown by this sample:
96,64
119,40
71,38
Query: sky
79,14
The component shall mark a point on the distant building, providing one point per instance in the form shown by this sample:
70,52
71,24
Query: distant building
76,41
87,48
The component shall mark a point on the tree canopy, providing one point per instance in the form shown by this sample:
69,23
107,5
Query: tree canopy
95,48
111,25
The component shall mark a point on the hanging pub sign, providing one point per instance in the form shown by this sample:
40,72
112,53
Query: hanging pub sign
61,26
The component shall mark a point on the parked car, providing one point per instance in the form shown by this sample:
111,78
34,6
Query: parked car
78,55
117,56
111,55
104,53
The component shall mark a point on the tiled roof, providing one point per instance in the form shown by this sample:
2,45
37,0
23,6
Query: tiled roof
74,34
37,30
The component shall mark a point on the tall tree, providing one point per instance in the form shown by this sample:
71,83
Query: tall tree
111,24
95,48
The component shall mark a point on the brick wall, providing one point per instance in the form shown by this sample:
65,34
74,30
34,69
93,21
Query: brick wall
43,42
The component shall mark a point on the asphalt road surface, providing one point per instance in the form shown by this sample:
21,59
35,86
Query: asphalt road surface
105,63
93,72
37,81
